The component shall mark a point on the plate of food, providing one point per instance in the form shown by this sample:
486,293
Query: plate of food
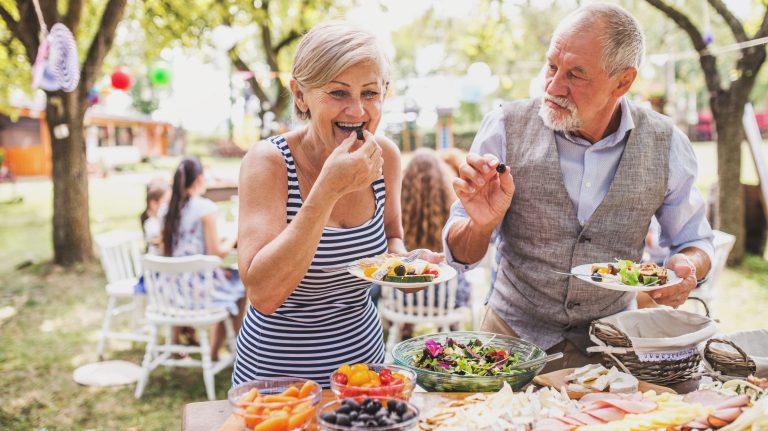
400,272
626,275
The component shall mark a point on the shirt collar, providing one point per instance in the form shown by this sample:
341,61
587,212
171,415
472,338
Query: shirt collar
625,125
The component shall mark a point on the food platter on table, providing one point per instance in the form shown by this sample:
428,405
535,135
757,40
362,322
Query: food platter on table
402,273
627,276
560,379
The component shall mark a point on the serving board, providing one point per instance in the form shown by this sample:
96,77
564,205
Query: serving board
556,380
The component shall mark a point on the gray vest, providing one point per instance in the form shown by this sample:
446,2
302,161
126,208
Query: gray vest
540,231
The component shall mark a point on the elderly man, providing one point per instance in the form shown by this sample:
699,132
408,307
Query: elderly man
586,171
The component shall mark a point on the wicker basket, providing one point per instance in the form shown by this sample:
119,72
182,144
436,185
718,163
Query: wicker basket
728,364
661,372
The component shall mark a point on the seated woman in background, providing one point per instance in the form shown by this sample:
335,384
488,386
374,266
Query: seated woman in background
190,227
426,204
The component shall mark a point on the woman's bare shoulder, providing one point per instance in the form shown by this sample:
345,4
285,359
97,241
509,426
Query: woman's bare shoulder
262,158
388,147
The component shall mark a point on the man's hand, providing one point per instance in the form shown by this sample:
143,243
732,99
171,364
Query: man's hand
484,192
676,295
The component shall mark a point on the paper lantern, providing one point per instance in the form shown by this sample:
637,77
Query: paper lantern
160,75
121,79
56,66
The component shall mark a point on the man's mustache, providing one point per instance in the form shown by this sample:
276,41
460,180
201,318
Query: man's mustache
561,102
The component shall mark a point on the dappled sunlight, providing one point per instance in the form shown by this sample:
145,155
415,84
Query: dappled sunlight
50,325
6,313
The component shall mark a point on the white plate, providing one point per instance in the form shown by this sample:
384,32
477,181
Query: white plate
446,273
586,270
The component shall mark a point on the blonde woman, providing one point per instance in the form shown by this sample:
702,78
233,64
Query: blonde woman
317,197
427,198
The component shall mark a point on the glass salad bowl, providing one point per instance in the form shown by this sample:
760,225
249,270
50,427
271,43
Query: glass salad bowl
406,352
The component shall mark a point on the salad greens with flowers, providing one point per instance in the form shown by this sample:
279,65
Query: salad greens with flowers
472,359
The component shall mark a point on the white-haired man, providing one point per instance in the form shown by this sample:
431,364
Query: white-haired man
586,171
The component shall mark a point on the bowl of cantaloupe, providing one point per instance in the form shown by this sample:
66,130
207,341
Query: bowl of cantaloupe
275,403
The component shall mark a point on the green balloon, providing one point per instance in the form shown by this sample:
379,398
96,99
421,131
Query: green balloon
160,75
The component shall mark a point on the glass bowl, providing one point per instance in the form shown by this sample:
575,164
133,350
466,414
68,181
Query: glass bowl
396,390
409,415
406,351
287,403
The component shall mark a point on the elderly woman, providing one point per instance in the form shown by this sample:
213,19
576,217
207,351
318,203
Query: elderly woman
313,198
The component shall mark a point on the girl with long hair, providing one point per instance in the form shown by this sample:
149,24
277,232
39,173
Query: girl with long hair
190,227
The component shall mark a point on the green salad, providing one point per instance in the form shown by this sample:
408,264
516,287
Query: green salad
472,359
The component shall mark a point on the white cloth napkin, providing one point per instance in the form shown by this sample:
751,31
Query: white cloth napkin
663,333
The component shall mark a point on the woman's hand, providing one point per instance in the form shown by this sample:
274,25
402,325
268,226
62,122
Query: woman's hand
485,193
352,166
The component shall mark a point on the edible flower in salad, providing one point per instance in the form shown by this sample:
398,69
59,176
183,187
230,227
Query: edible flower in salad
472,359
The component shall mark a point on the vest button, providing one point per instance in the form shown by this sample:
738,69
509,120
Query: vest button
584,239
571,305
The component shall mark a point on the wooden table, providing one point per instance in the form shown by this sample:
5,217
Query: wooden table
216,415
221,191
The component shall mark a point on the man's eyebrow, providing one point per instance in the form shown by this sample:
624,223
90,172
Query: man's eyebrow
580,70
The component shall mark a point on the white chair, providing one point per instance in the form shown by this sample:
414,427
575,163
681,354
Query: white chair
723,243
120,253
435,305
179,293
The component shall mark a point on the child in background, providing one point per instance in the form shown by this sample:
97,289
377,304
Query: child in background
157,195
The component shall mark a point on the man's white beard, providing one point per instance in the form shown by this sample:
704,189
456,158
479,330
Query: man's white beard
556,120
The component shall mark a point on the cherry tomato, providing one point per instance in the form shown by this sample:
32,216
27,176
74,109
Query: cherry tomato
340,379
386,379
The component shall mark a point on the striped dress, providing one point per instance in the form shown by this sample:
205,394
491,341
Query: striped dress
329,319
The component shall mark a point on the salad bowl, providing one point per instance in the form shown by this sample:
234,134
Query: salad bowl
407,352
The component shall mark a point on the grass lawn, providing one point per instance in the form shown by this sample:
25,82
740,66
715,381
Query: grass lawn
50,317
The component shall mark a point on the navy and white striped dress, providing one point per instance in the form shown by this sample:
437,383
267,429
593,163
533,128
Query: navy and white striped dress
329,320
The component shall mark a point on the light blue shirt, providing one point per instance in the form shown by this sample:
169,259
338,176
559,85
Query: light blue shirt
588,170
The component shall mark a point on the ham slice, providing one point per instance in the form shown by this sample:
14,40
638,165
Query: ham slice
727,415
597,396
696,425
734,401
587,419
631,406
571,420
552,424
706,397
607,414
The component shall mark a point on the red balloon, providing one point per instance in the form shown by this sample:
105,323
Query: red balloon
121,79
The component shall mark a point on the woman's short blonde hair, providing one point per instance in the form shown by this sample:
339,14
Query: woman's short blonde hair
328,49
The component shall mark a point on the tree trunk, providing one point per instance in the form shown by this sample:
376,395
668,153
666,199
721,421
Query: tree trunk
71,220
731,194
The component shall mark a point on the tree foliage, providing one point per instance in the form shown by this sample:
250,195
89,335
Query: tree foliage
727,95
93,25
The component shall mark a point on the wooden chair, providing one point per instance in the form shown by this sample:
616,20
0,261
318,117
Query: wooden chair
436,305
180,293
707,292
120,253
